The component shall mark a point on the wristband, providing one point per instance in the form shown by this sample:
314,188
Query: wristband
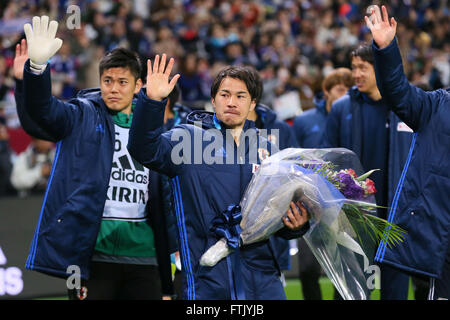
37,68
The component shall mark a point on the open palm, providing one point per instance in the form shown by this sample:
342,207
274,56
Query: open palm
20,59
383,30
158,85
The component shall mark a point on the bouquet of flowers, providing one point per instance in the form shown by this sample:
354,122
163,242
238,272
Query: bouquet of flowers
344,229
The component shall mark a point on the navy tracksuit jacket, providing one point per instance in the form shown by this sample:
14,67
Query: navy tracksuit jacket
310,125
421,203
201,192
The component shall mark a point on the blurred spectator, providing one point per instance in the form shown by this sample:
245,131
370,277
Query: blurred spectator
18,139
235,53
190,82
32,167
137,38
310,125
117,37
166,42
4,87
217,41
6,93
64,67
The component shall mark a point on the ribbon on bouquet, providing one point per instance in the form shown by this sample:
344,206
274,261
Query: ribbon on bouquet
227,225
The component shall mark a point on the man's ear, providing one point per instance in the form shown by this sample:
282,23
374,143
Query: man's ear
252,105
213,103
138,85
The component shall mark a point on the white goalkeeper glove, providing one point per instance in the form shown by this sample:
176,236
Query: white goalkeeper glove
42,44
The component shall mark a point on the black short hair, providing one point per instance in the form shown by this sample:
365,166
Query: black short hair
121,58
174,96
258,83
246,74
364,51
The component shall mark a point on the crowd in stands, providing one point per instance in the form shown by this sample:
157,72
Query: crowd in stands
294,44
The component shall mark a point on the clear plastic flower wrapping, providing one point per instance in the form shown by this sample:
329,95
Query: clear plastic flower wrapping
341,247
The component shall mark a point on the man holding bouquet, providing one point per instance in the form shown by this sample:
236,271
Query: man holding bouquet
421,204
204,190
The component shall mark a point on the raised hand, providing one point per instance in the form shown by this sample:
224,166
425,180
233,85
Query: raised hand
42,44
158,85
20,59
383,30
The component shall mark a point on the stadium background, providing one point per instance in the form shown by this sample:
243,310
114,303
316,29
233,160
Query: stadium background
293,44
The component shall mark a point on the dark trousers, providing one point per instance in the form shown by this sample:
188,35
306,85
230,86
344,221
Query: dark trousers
115,281
309,272
421,288
178,284
440,287
394,284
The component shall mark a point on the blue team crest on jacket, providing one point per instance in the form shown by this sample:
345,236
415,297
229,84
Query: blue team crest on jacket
315,128
272,139
220,153
263,154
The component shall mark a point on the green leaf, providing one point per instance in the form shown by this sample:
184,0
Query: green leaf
366,175
376,228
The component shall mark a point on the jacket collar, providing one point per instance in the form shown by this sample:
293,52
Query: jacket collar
320,103
94,94
209,120
362,97
267,115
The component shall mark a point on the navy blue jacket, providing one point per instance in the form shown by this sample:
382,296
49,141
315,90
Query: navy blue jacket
310,125
202,191
73,204
421,204
163,189
267,119
26,122
344,129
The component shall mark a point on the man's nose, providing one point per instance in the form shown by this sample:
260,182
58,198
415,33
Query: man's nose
232,101
115,87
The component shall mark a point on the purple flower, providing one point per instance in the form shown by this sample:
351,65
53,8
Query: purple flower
349,188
